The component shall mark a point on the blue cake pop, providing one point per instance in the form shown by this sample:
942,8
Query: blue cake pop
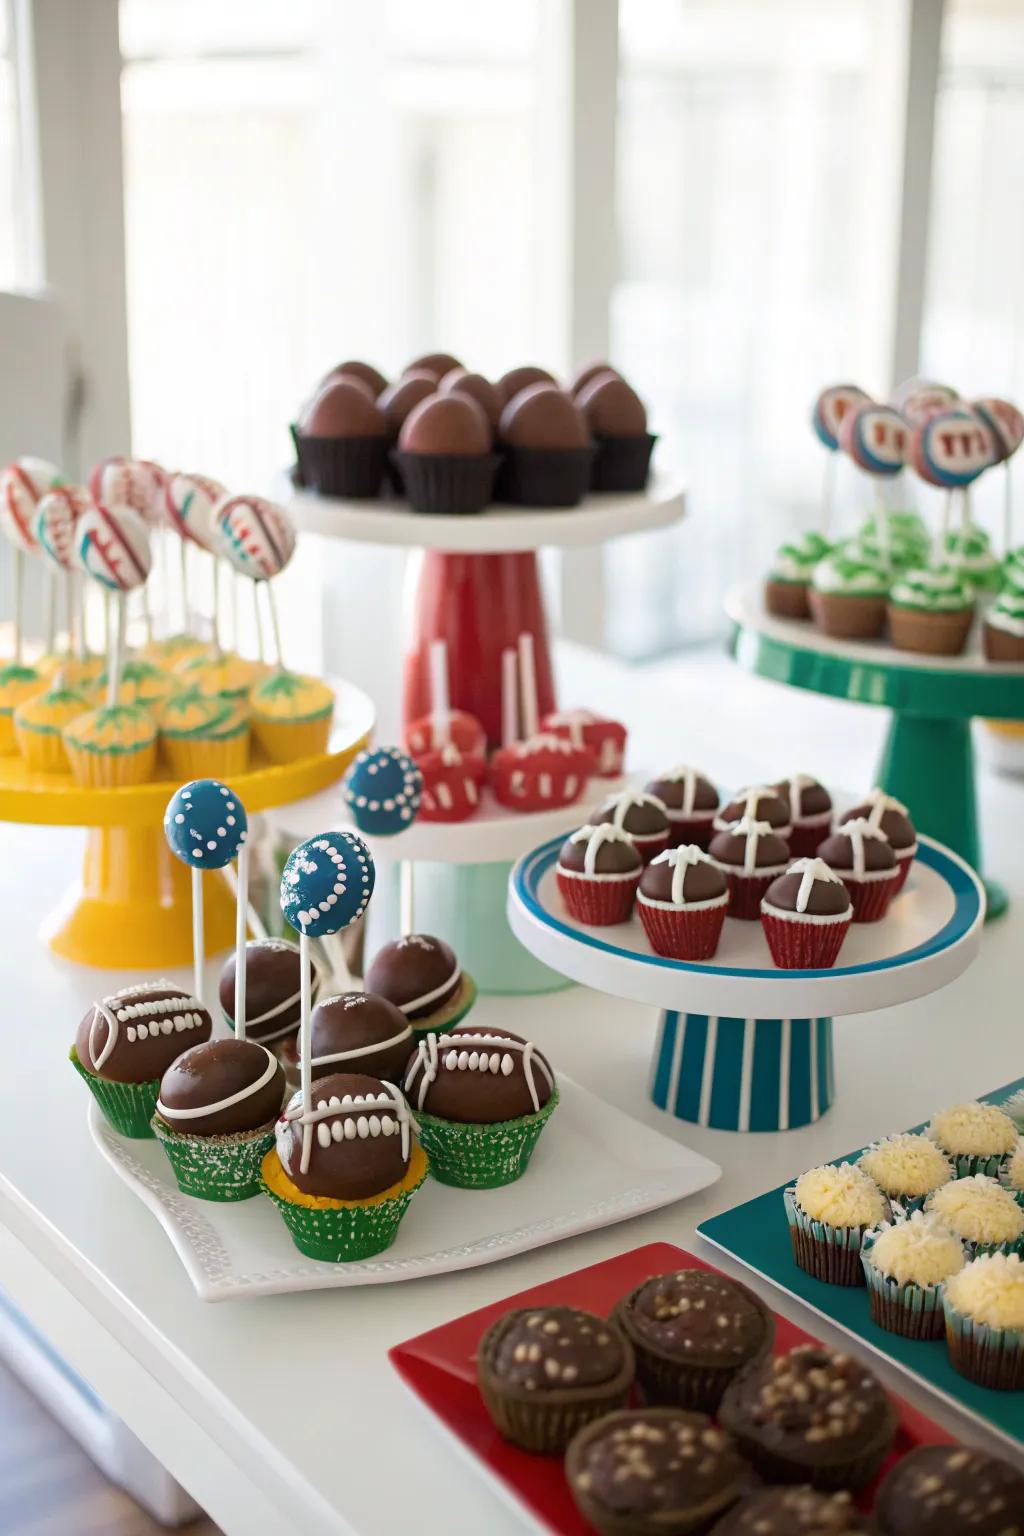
205,824
326,883
383,789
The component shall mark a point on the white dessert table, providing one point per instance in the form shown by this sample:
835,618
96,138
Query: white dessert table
282,1414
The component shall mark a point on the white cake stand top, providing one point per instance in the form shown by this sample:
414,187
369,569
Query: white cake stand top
930,935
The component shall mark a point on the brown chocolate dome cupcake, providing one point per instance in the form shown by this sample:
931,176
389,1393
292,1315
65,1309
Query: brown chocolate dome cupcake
424,980
890,816
758,803
355,1144
545,1372
547,449
444,455
951,1490
682,903
810,1416
436,363
642,815
402,397
794,1512
651,1471
751,855
589,371
341,440
271,989
692,1333
461,382
516,380
806,914
810,813
617,419
862,857
598,874
691,803
359,1032
363,373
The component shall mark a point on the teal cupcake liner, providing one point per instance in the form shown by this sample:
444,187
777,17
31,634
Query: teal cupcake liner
965,1167
341,1234
828,1253
481,1156
1004,1179
224,1168
992,1357
975,1250
128,1107
914,1311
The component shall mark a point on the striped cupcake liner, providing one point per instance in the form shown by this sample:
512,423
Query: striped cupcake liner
482,1156
803,946
344,1233
828,1253
598,902
991,1357
223,1168
1004,1179
965,1167
683,933
914,1311
129,1107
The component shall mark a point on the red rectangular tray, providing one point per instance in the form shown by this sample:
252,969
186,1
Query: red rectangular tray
440,1367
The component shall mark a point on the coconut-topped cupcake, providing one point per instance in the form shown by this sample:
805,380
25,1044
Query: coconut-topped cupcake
598,874
862,856
806,915
640,814
690,800
983,1214
829,1209
1012,1172
890,816
976,1137
907,1168
750,854
984,1306
682,903
905,1267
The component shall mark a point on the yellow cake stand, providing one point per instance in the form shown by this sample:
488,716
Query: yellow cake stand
132,906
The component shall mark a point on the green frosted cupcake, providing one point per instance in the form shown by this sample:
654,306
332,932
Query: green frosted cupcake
215,1117
969,551
481,1098
788,581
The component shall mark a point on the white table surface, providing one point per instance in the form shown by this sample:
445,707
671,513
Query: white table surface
283,1415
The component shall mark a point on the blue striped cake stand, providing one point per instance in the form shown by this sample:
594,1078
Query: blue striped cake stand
741,1044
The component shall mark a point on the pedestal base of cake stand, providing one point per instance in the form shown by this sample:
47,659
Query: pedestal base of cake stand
743,1074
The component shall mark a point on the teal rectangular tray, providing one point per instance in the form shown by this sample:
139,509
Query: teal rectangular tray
757,1234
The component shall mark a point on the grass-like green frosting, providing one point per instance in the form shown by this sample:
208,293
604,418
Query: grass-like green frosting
940,590
969,551
850,572
122,729
795,560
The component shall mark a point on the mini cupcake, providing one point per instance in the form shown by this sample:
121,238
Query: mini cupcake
344,1170
758,802
545,1372
215,1117
341,439
751,856
452,781
890,816
201,735
969,552
617,419
975,1137
598,874
223,676
811,1416
931,612
143,682
906,542
39,728
17,685
1002,630
829,1210
788,583
541,773
108,748
810,813
692,1333
291,716
481,1098
806,914
682,903
445,456
862,857
423,978
691,803
907,1169
984,1313
951,1490
272,987
172,649
359,1032
848,595
905,1268
603,738
794,1512
640,814
1011,1174
984,1216
81,673
647,1471
547,452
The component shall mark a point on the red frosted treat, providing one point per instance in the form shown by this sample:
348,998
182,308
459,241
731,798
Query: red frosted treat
428,734
598,874
451,784
604,738
540,774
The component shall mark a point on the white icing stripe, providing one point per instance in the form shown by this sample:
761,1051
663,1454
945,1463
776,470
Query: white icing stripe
811,872
681,861
463,1053
595,839
363,1050
286,1003
818,919
182,1010
430,997
621,804
691,906
232,1098
857,830
702,818
615,874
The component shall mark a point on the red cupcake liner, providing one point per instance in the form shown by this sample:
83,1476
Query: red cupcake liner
694,829
746,892
871,898
903,864
599,903
649,847
798,946
804,841
681,933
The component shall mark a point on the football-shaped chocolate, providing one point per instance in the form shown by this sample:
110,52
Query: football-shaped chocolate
354,1141
639,813
758,803
806,797
364,373
418,973
403,396
684,792
461,382
607,850
220,1088
478,1075
857,847
611,408
359,1032
343,408
888,815
518,379
749,845
543,417
446,424
588,372
437,363
133,1035
271,989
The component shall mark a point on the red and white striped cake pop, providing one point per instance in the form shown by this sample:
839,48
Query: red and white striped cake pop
831,408
1006,424
53,523
255,535
21,486
112,546
136,483
919,399
951,450
875,437
190,502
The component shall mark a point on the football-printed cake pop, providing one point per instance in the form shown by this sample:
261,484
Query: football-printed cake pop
354,1140
22,484
112,546
189,504
382,790
255,535
831,408
875,437
952,449
326,883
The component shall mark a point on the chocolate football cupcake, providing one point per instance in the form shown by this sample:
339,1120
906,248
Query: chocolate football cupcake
890,816
271,989
445,457
653,1472
481,1098
365,374
598,874
398,402
547,449
751,856
810,1416
806,914
342,440
422,977
861,856
951,1490
682,902
545,1372
359,1032
459,381
810,813
617,419
516,380
437,364
639,813
759,802
796,1511
126,1042
215,1117
691,804
692,1332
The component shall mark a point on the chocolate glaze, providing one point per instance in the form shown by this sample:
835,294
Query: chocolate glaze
769,807
730,848
342,409
461,382
271,988
403,396
541,416
413,967
355,1167
351,1022
655,1466
363,373
136,1057
209,1073
814,799
899,829
583,376
951,1490
828,897
612,858
611,408
437,363
643,819
473,1097
799,1511
446,424
544,1349
518,379
671,791
837,851
702,881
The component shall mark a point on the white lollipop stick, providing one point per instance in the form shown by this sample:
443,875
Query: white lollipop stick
216,604
406,899
439,703
882,520
233,586
965,509
509,700
304,1001
51,611
68,604
19,583
947,518
115,656
256,619
528,683
275,625
1007,509
198,944
147,612
241,913
183,582
828,491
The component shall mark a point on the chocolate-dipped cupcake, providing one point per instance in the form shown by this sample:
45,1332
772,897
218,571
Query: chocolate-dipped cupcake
363,373
639,813
692,1333
810,1416
682,903
598,874
516,380
617,419
444,456
545,1372
398,402
691,803
862,857
435,363
271,989
547,449
750,854
890,816
341,439
215,1117
424,980
583,376
806,914
461,382
359,1032
758,802
951,1490
810,813
794,1512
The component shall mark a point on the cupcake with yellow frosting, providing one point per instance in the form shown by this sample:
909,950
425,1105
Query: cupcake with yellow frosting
984,1312
975,1137
39,727
829,1210
142,682
906,1169
1011,1174
112,746
173,649
905,1268
291,716
224,676
17,684
202,736
984,1216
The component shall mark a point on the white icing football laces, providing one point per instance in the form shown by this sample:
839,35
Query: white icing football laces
859,831
809,871
491,1053
189,1014
626,800
683,774
369,1123
681,860
595,839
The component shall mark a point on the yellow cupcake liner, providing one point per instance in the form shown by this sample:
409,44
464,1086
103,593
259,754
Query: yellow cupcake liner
95,769
42,750
8,740
189,758
286,741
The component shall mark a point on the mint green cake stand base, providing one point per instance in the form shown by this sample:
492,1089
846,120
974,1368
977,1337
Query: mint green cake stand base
928,757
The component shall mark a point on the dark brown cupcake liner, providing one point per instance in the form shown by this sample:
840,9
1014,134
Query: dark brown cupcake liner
826,1261
343,466
296,473
622,463
447,484
853,1473
889,1309
544,477
1001,645
677,1382
991,1357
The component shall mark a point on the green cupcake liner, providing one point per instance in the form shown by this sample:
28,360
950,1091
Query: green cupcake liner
481,1156
129,1107
992,1357
224,1168
828,1253
965,1167
338,1235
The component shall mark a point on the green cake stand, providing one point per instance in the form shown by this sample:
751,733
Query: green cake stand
928,757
